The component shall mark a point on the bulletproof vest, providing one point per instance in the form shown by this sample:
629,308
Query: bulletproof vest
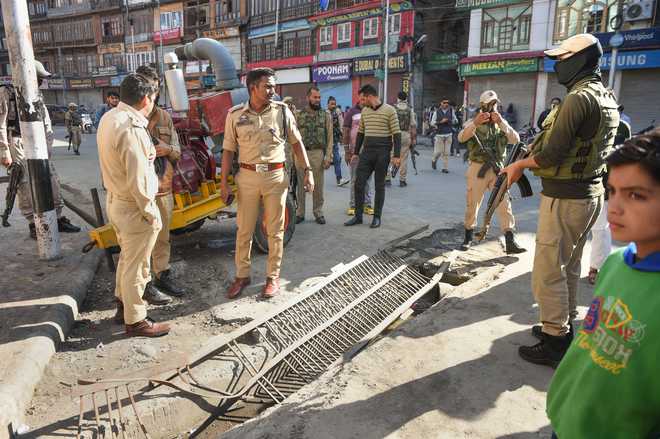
444,128
13,122
404,118
313,129
586,158
492,138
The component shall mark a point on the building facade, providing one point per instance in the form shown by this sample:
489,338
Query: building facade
507,39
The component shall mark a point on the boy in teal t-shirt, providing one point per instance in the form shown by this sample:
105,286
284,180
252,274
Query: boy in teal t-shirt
608,383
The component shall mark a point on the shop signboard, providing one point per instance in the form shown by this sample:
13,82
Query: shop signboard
80,83
500,66
56,83
221,33
632,38
111,48
441,61
367,66
167,35
116,81
349,53
287,26
479,4
105,71
633,60
330,73
359,15
102,82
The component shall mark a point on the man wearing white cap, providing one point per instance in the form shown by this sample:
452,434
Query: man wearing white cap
486,136
568,155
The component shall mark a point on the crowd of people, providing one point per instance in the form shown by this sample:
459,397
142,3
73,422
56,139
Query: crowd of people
614,351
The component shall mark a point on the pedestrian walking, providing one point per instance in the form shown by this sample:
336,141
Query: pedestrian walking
443,121
12,150
568,155
349,132
168,152
316,128
554,102
126,155
337,124
73,123
487,136
379,132
408,126
111,101
257,131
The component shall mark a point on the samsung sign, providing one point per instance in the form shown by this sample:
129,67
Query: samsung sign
334,72
638,59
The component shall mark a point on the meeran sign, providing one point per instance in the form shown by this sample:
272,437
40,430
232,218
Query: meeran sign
478,4
500,66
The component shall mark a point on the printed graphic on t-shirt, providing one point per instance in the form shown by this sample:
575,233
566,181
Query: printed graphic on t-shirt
610,333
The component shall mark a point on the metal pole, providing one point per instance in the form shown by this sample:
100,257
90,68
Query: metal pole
277,22
387,48
610,79
411,85
30,105
59,55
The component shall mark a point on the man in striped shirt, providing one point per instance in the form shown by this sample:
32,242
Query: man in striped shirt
378,132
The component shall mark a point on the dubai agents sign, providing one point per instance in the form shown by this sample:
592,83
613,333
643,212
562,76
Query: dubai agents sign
330,73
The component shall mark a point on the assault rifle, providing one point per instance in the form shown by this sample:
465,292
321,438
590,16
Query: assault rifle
15,172
500,189
413,156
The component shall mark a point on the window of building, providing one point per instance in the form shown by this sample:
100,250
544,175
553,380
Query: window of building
112,26
171,20
196,15
506,29
573,17
370,28
394,24
137,59
142,23
344,33
227,10
325,36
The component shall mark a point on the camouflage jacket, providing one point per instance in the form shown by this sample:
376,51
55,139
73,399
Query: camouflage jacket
316,129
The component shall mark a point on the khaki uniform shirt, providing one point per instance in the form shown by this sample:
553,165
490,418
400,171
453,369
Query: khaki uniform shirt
161,126
5,134
126,155
259,137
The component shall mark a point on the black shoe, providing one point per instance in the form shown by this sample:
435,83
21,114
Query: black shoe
320,220
65,226
433,164
339,180
537,331
445,171
403,183
300,219
33,231
119,314
512,246
165,282
153,296
375,223
467,242
77,153
548,352
354,221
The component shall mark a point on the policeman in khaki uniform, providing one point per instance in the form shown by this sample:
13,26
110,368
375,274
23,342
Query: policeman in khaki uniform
408,125
569,156
168,152
315,125
258,131
486,136
73,123
126,155
11,150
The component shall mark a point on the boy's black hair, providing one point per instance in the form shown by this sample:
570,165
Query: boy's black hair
368,90
148,72
255,75
112,93
643,150
332,98
134,88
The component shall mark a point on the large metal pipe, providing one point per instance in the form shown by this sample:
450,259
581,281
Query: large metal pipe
223,64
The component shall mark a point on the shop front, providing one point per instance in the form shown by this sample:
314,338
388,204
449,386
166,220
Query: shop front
334,80
370,71
294,83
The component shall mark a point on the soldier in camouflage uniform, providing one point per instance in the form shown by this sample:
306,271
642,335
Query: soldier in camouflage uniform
315,125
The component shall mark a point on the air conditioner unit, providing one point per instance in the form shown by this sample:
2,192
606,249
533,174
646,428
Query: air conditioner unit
637,10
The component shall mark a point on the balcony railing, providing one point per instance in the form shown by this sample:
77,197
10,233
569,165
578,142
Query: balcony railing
70,10
232,18
298,11
341,4
138,38
112,38
107,4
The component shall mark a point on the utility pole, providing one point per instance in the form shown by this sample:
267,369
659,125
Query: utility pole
387,49
33,133
59,57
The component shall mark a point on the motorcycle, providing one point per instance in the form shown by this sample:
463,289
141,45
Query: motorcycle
87,124
527,134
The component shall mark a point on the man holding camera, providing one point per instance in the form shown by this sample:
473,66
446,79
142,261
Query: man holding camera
487,136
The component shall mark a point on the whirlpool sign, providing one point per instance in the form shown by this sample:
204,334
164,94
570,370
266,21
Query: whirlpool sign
637,59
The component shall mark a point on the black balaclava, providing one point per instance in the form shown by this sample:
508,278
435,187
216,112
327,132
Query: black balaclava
582,64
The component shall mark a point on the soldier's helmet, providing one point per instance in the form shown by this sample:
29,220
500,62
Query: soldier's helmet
73,105
41,70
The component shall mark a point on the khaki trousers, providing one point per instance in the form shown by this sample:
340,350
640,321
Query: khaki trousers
272,188
161,253
405,152
442,147
24,195
563,228
316,163
76,137
137,238
476,187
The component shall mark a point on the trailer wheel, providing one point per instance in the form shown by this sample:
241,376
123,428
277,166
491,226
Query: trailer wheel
260,238
189,228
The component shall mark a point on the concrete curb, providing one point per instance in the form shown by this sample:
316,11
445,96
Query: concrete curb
25,368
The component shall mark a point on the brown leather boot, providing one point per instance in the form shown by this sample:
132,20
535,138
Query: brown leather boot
271,288
119,315
147,328
237,287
